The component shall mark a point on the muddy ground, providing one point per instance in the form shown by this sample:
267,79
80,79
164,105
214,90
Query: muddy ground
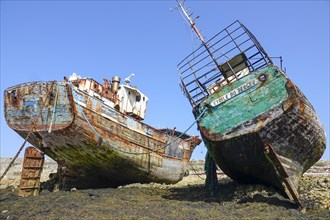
187,199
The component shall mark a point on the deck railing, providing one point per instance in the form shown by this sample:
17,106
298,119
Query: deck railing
234,52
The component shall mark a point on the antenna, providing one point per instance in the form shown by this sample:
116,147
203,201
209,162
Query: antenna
193,26
191,22
128,79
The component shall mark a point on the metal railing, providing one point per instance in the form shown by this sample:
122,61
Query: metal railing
230,51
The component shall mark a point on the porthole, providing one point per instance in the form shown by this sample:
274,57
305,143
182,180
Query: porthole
262,77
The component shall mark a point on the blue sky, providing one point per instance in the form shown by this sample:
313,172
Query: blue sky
47,40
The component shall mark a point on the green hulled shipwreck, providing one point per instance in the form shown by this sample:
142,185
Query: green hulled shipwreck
95,132
255,122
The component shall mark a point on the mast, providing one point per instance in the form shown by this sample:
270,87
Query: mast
193,26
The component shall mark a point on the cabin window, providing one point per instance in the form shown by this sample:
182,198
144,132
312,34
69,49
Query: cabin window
234,65
144,99
138,98
149,131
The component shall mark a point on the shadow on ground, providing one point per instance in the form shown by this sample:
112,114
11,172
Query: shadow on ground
231,192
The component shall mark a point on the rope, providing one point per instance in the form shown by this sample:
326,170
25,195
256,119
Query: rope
34,122
13,160
120,150
199,176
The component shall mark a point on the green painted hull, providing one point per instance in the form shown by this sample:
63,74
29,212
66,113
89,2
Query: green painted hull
269,111
247,105
256,124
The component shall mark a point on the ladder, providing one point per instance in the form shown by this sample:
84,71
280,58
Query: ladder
31,171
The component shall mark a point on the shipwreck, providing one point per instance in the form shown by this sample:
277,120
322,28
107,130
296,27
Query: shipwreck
257,125
95,132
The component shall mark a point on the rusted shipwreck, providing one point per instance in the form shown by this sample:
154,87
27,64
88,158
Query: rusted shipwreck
95,134
255,122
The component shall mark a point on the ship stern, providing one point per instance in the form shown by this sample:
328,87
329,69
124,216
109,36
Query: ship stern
38,106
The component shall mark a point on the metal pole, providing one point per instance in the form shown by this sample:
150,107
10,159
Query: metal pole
192,24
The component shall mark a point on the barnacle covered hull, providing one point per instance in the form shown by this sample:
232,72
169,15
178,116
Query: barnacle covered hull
94,144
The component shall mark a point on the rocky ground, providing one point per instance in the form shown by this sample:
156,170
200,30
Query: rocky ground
187,199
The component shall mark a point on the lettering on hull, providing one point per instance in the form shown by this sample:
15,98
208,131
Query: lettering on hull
234,92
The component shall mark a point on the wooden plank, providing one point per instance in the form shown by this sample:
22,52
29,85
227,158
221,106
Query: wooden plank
290,189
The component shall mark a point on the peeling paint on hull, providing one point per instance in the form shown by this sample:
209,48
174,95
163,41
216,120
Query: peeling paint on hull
291,126
128,151
255,122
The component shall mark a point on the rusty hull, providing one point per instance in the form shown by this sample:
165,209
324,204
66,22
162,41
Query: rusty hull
293,130
93,144
256,124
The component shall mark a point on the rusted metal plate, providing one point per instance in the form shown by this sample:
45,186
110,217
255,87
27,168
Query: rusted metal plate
31,171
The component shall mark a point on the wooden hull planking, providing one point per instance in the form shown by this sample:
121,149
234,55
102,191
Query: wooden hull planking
94,145
290,126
